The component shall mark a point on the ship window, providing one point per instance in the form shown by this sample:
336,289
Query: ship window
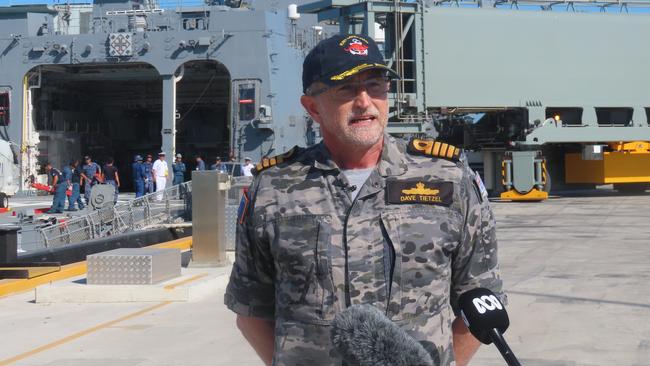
4,109
570,116
246,102
647,114
614,116
194,23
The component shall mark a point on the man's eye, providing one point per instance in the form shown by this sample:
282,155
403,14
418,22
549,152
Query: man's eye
373,84
346,88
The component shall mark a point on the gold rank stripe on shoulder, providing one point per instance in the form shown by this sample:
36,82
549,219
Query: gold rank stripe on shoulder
435,149
269,162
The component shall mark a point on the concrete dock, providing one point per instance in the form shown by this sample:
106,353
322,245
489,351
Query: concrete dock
576,270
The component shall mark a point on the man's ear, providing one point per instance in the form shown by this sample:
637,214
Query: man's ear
311,106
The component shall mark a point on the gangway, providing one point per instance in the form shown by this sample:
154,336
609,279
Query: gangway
172,206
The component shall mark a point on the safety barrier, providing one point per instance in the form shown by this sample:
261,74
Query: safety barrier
173,205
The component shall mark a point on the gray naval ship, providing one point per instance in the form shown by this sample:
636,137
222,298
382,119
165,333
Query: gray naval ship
125,77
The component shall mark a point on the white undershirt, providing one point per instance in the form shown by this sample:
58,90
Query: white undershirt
357,177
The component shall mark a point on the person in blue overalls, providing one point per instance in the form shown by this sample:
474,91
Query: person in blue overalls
179,170
75,181
91,173
138,176
148,172
60,185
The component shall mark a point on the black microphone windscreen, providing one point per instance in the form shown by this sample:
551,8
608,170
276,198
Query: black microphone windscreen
364,336
482,311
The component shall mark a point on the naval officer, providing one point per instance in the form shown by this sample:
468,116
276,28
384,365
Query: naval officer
360,218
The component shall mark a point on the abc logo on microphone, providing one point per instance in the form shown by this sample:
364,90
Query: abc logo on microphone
487,302
487,319
482,311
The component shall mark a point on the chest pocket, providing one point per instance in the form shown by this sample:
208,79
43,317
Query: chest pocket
424,238
301,249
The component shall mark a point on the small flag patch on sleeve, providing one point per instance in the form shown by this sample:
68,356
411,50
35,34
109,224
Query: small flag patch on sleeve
242,212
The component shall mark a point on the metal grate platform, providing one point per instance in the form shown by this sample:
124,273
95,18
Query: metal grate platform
133,266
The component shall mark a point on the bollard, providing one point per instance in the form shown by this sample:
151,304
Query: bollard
8,244
209,195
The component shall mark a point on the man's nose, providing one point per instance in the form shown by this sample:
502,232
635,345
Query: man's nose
362,100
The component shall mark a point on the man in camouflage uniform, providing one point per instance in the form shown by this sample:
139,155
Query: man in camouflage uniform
360,218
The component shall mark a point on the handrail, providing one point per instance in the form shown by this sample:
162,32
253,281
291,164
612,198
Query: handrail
169,206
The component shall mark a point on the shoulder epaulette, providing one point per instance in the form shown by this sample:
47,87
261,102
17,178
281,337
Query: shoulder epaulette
434,149
279,159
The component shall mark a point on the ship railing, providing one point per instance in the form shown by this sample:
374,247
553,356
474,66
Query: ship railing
170,206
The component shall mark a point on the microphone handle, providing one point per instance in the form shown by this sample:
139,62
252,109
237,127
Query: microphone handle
502,346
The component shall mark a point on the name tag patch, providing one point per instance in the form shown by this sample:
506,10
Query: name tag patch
419,191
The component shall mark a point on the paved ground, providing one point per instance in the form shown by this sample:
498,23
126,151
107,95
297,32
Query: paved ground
577,273
576,269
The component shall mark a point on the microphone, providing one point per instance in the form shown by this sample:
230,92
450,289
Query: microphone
487,319
364,336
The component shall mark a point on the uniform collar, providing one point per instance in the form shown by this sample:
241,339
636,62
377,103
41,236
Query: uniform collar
322,159
391,164
392,158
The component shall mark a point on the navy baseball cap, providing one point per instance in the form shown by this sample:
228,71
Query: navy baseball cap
336,58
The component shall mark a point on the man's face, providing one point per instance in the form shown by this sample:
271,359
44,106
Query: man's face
353,114
149,158
48,167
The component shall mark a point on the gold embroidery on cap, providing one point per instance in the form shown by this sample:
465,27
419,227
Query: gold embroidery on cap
352,71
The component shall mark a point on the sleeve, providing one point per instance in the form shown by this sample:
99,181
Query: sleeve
475,262
251,290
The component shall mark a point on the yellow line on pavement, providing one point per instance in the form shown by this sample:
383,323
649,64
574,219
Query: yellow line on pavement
182,244
188,280
80,334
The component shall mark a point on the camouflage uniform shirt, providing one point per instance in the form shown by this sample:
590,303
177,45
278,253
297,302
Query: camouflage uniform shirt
418,235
